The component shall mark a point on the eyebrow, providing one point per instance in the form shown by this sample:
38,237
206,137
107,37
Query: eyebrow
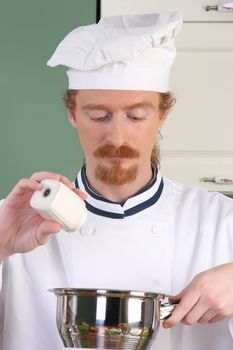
143,104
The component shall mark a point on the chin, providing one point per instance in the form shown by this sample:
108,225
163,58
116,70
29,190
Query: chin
116,174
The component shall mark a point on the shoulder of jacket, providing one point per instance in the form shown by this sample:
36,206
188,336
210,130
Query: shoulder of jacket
197,194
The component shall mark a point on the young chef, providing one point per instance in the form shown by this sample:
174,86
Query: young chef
143,232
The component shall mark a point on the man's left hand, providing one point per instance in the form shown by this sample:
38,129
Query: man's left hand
207,299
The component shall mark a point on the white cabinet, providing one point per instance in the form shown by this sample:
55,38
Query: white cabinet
198,135
193,10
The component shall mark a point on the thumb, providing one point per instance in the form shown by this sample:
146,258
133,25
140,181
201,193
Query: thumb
178,296
45,229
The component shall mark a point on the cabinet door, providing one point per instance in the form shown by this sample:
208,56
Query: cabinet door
192,10
197,138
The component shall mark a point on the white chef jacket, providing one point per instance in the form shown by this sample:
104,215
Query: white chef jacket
157,241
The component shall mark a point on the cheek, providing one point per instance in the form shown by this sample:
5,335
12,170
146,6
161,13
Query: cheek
89,138
146,137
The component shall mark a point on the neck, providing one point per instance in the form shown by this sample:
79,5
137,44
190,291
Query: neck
120,193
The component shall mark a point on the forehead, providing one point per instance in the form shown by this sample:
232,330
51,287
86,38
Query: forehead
116,99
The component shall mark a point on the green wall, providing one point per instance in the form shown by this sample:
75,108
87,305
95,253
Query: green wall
35,134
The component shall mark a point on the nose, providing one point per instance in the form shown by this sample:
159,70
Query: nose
117,133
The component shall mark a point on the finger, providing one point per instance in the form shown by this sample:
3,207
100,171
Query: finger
45,229
26,184
81,194
207,308
217,319
200,313
202,310
189,299
216,313
207,316
177,297
42,175
34,184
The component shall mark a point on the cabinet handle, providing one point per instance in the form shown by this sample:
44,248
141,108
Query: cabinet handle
218,180
226,7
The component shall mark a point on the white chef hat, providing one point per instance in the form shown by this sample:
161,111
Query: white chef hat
132,52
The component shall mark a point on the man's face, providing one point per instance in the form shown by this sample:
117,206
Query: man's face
117,131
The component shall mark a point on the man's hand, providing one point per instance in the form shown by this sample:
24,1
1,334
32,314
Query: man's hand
21,228
207,299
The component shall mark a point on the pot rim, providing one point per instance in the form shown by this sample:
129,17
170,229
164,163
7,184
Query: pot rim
105,292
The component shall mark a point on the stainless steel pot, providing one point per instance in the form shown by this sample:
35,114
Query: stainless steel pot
107,319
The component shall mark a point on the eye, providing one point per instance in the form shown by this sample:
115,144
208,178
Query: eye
99,116
133,118
137,114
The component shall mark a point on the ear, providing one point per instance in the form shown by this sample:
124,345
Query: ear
166,103
163,117
71,117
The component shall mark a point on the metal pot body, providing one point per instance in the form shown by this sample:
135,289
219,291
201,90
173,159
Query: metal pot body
105,319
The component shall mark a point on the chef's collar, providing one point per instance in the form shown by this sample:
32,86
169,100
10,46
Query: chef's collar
141,200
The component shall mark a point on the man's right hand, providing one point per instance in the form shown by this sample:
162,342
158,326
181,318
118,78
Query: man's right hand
21,228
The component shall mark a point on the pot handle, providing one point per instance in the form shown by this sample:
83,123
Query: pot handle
166,307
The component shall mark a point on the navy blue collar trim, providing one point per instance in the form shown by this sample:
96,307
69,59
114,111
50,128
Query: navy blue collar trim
128,212
100,198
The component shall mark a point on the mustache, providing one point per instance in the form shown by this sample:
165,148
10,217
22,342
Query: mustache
113,151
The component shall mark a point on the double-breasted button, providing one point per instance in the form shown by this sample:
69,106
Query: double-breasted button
160,228
87,231
155,230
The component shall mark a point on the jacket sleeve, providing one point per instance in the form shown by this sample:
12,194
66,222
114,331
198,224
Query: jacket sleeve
230,225
230,324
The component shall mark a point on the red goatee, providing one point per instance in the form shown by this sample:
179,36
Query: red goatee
116,174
